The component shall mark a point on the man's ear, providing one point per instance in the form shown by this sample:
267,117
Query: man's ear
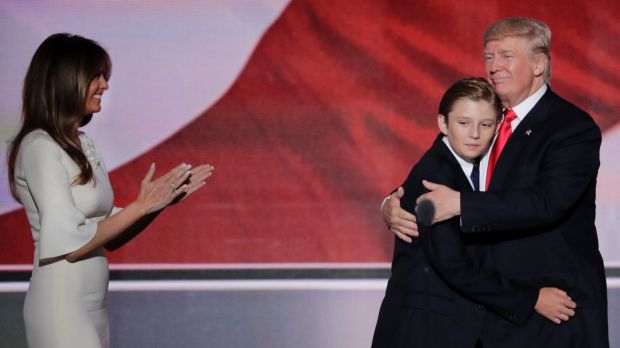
442,122
540,63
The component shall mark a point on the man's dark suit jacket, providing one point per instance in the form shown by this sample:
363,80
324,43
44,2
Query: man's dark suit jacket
538,218
421,307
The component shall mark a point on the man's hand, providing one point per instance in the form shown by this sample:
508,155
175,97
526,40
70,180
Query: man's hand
447,202
555,305
400,222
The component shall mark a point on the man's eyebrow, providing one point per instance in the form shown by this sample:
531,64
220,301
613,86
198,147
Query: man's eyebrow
504,50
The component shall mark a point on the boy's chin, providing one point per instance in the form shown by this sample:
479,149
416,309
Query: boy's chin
471,155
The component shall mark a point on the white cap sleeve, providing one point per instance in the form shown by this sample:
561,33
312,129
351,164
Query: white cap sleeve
63,227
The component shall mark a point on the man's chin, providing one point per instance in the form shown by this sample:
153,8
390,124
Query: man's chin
496,84
501,91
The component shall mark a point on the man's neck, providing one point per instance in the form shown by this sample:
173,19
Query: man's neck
508,103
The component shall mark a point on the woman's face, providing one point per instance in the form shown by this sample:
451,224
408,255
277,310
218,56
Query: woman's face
470,127
95,90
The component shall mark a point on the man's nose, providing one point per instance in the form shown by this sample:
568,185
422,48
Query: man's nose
496,64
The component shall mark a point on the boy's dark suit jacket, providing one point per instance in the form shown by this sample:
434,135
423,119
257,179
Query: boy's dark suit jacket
421,306
539,220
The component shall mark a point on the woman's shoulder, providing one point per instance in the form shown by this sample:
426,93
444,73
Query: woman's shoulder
40,142
37,136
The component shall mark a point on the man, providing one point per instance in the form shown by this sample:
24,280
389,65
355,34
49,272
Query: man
422,296
536,222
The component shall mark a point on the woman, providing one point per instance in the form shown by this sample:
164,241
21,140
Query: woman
57,174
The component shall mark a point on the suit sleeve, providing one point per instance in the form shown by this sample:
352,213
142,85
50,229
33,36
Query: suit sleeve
569,168
63,228
445,250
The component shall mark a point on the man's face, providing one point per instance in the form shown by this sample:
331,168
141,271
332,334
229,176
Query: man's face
510,70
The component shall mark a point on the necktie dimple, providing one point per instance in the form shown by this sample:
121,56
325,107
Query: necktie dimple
475,176
505,130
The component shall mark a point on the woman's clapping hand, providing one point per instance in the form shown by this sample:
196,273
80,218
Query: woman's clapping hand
172,187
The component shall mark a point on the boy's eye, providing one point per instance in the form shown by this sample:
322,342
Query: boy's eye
463,123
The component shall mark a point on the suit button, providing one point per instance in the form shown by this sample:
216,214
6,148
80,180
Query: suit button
475,228
480,306
426,269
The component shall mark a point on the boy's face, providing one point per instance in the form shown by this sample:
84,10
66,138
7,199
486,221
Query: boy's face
470,127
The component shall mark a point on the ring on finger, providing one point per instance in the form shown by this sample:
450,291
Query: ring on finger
172,188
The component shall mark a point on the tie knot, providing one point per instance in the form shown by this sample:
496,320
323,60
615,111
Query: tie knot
509,116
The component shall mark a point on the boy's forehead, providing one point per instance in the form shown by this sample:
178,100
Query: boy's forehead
466,108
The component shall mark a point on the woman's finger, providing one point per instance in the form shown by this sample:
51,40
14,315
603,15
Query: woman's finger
149,174
207,167
181,189
175,172
199,176
177,181
204,169
191,188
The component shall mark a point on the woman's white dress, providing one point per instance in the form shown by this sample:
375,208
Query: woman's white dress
66,302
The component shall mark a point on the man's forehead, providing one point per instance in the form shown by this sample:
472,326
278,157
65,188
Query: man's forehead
507,43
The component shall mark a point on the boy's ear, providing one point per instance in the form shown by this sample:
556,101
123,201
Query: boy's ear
442,122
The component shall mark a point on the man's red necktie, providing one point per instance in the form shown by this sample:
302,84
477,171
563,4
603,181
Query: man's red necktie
505,130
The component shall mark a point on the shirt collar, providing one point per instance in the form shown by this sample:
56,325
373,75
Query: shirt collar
524,107
466,165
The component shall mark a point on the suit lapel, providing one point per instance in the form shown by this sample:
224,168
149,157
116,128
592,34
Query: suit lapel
526,132
446,156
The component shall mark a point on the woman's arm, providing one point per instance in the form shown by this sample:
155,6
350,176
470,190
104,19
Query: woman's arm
64,231
197,179
154,196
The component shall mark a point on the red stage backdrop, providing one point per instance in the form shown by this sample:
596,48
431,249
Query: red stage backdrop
336,103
